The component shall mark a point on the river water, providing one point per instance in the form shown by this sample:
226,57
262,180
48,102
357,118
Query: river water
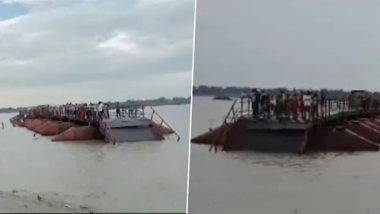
252,182
130,177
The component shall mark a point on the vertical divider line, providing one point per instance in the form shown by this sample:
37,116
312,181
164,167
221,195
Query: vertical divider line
191,108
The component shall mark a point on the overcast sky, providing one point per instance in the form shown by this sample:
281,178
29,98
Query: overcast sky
292,43
54,51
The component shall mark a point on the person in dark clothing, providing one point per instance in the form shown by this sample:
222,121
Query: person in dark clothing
278,107
350,101
107,110
118,113
321,103
282,105
263,103
265,106
258,101
89,113
254,103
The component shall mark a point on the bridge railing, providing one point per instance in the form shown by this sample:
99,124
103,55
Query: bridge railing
319,110
139,111
156,118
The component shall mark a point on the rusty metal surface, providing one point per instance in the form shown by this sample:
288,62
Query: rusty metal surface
331,139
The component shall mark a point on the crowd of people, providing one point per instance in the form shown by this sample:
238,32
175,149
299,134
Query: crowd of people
299,105
84,112
92,112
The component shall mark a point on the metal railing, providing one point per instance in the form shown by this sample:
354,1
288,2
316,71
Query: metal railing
155,117
319,110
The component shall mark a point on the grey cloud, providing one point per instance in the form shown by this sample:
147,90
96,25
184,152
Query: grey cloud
59,45
296,43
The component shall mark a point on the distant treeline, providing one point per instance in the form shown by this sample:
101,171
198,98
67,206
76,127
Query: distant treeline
232,91
9,110
156,102
149,102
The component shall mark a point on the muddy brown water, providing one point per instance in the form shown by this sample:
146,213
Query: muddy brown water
130,177
253,182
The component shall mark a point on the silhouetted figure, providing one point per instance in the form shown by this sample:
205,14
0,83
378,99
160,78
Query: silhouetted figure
314,107
321,104
265,105
118,113
255,100
302,105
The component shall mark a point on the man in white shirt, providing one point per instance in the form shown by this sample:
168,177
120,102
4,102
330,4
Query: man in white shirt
307,104
100,110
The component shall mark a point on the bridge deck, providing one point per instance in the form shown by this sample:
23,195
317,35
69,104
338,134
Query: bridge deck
294,129
131,124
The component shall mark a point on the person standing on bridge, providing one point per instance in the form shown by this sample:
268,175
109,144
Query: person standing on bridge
88,113
321,103
107,110
252,97
302,105
83,108
314,107
266,105
118,113
272,105
307,105
100,110
72,111
69,111
123,113
281,105
258,102
294,106
278,106
93,111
